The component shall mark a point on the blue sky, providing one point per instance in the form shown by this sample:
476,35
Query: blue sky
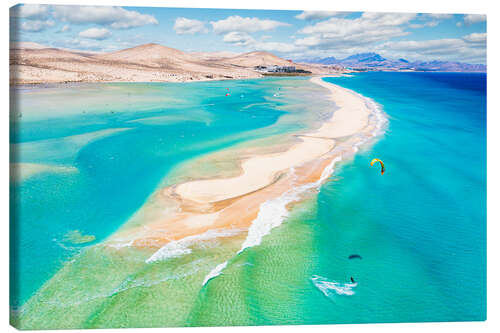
291,34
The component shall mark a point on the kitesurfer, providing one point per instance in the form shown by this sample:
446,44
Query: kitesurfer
375,160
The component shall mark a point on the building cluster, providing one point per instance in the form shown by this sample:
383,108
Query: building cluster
276,69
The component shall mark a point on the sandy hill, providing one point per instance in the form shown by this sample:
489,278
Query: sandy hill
143,63
45,54
148,55
257,58
218,55
27,45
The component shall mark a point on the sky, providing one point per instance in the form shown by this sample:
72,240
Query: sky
296,35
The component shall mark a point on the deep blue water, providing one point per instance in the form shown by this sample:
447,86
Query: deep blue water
421,227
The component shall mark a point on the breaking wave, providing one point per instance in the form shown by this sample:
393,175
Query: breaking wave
182,246
215,272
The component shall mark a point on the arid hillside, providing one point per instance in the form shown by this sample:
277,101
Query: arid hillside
32,63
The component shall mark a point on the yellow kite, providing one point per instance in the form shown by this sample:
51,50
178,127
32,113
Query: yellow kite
375,160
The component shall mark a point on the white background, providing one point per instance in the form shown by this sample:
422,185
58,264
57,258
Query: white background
490,8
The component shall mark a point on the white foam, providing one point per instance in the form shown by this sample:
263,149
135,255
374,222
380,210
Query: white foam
181,247
330,288
119,245
215,272
273,212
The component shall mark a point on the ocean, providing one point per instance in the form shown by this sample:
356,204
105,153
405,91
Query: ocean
420,229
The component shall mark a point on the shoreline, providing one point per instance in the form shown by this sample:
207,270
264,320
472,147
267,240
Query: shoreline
194,208
53,84
83,82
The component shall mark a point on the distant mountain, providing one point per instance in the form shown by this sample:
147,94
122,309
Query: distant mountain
448,66
365,57
374,61
326,61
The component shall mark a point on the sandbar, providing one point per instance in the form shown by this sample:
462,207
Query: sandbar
260,171
195,207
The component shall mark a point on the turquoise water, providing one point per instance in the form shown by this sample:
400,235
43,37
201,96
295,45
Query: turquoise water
420,228
158,126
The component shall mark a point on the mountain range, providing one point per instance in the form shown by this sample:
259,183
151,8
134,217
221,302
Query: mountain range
374,61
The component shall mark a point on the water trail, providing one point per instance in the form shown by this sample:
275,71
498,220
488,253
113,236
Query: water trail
332,288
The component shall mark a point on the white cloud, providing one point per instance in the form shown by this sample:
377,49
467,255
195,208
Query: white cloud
81,44
245,40
31,18
438,49
244,24
31,11
114,17
35,25
429,20
342,26
422,25
368,29
237,32
238,38
65,28
478,39
436,46
474,18
277,47
310,15
388,19
439,16
187,26
95,33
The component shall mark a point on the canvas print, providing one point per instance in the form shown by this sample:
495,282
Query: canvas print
179,167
